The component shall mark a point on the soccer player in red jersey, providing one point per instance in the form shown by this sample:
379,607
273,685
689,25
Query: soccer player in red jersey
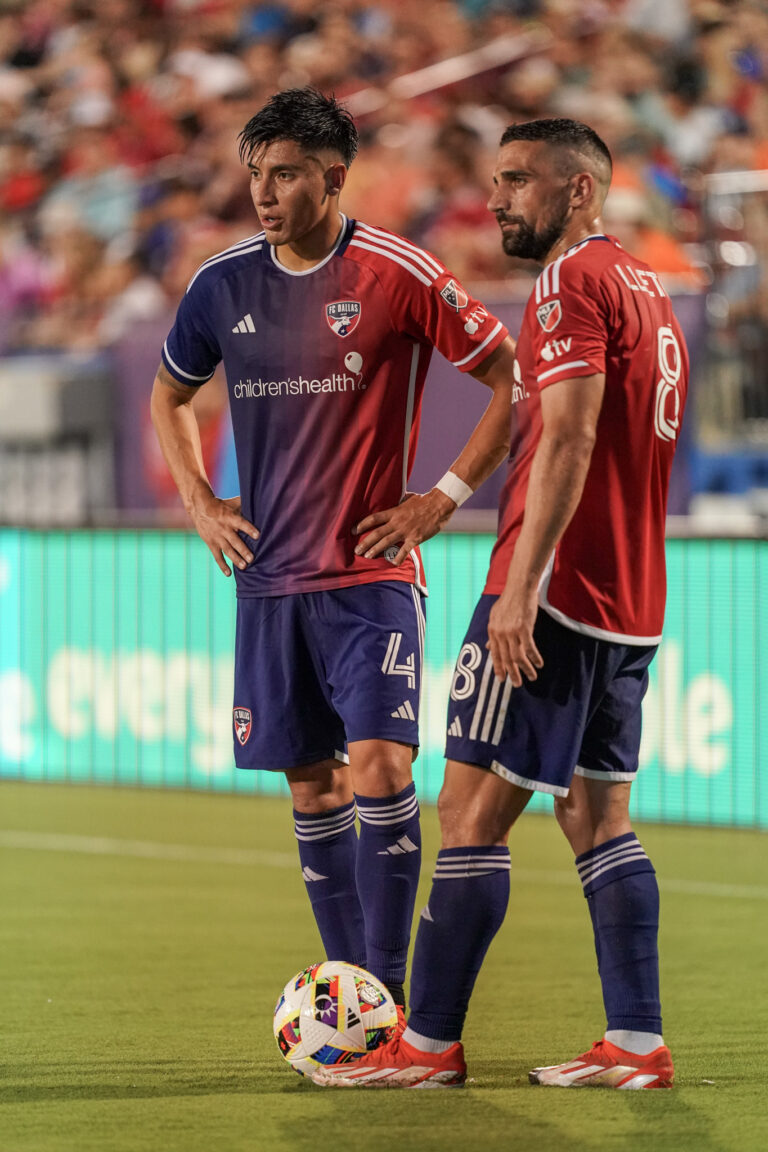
326,326
548,685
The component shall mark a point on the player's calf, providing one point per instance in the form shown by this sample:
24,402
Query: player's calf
387,875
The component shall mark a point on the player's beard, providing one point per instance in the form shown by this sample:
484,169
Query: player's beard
528,244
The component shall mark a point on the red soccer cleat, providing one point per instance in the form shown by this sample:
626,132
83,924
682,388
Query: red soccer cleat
606,1066
397,1065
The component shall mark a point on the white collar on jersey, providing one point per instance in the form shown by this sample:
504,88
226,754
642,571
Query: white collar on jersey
315,267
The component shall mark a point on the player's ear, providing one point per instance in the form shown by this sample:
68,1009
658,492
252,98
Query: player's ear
334,179
582,190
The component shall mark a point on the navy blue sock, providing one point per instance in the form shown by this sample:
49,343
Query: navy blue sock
328,851
388,866
467,905
623,896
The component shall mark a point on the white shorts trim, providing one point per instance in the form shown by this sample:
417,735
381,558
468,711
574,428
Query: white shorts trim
342,756
523,782
592,774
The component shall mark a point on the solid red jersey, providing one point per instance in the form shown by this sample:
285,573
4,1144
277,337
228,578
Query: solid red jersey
596,309
325,370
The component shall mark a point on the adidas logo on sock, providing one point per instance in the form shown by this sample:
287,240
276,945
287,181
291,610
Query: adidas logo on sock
404,712
455,728
309,875
403,845
245,325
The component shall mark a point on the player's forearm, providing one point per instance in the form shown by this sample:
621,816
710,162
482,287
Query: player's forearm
488,444
558,473
179,436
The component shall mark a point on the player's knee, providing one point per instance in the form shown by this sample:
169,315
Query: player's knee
465,824
573,817
593,811
382,774
320,788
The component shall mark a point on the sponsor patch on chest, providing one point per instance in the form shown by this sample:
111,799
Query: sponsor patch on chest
343,316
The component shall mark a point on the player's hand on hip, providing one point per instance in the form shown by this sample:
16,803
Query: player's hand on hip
415,519
510,636
219,524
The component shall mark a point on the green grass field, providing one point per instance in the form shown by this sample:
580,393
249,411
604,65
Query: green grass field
145,937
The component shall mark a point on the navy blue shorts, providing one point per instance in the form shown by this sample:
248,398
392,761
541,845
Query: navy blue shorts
582,715
316,670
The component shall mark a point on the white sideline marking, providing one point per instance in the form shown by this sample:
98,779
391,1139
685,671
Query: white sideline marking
684,887
144,849
198,854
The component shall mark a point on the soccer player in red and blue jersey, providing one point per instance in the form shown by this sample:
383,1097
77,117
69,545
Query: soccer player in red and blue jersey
548,685
325,327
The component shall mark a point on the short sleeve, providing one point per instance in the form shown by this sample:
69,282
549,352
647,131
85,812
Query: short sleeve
192,351
568,325
439,311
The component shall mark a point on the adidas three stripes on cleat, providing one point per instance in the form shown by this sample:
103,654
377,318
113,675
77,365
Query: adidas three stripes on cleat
397,1065
606,1066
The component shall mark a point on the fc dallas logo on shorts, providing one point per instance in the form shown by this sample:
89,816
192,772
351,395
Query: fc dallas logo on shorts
343,316
549,315
242,724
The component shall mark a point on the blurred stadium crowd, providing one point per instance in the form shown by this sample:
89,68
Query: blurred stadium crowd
119,175
118,123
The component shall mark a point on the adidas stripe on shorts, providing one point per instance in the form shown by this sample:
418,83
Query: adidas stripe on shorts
316,670
581,715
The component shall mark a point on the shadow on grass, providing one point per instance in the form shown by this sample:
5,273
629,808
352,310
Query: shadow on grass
142,1079
498,1109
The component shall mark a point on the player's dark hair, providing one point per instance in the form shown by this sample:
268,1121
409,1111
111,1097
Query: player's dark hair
314,121
564,133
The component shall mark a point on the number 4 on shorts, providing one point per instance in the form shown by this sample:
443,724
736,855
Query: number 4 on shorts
390,667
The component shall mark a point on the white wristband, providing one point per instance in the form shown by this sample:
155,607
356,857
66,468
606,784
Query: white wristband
455,488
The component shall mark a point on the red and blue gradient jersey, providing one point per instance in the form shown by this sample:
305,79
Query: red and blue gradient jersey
325,371
598,310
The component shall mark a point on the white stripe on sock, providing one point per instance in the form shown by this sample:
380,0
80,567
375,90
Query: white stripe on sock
388,814
310,830
596,861
627,858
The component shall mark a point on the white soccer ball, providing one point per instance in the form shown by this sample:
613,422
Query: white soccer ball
331,1012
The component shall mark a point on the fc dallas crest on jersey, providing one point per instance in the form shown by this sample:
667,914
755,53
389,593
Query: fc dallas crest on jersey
343,316
243,722
549,315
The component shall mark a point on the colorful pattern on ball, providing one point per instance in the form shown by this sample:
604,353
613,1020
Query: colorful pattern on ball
331,1012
